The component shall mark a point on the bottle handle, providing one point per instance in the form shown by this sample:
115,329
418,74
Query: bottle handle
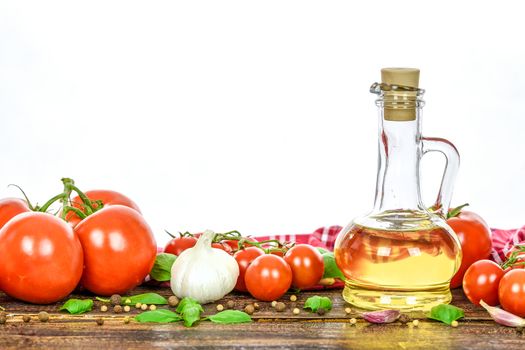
445,147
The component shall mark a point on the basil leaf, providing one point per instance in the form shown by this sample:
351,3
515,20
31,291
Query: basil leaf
230,316
77,306
322,250
104,300
146,298
158,316
161,270
190,310
316,302
331,270
446,313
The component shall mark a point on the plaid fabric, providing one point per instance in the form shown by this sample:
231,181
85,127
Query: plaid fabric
502,240
323,237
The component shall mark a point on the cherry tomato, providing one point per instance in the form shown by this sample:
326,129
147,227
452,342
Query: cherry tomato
119,250
307,265
481,282
512,292
179,244
475,238
244,259
107,197
41,258
11,207
222,246
268,277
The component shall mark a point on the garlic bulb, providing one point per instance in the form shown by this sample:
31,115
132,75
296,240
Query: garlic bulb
204,273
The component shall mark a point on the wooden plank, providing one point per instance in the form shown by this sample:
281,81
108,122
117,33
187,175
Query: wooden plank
271,329
241,300
266,335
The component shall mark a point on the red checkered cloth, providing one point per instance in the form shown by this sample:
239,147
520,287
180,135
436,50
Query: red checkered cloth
502,240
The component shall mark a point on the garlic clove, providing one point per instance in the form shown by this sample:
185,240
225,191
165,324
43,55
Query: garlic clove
503,317
383,316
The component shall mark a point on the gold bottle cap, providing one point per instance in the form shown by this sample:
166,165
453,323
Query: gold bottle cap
400,105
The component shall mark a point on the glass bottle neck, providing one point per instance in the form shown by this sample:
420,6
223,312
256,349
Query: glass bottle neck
400,151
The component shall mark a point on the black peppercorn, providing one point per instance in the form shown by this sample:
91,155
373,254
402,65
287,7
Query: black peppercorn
117,309
116,299
404,319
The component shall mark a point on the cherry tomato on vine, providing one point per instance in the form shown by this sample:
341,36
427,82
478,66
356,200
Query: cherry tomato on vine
11,207
268,277
512,292
518,263
244,258
180,244
119,250
475,237
222,246
42,258
481,282
234,244
107,197
307,265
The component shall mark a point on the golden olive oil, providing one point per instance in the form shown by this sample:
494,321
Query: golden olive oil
397,269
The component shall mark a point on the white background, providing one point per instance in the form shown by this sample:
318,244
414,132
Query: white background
255,115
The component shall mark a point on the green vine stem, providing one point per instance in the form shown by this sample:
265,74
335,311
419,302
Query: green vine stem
88,206
31,207
268,246
66,209
514,258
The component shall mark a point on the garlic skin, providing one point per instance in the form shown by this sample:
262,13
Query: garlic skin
204,273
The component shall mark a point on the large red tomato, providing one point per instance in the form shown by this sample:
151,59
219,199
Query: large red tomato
119,250
481,282
107,197
244,259
41,258
307,265
512,292
11,207
268,277
475,238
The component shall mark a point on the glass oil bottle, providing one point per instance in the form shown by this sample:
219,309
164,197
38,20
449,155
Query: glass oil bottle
401,255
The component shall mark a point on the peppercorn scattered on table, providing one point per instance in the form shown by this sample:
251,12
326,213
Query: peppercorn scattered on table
30,326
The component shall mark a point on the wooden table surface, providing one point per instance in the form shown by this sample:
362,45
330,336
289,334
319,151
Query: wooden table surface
270,329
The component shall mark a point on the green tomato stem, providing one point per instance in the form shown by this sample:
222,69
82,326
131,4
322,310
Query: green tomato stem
66,209
25,196
45,207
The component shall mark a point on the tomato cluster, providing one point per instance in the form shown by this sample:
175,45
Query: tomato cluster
101,242
494,284
265,272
